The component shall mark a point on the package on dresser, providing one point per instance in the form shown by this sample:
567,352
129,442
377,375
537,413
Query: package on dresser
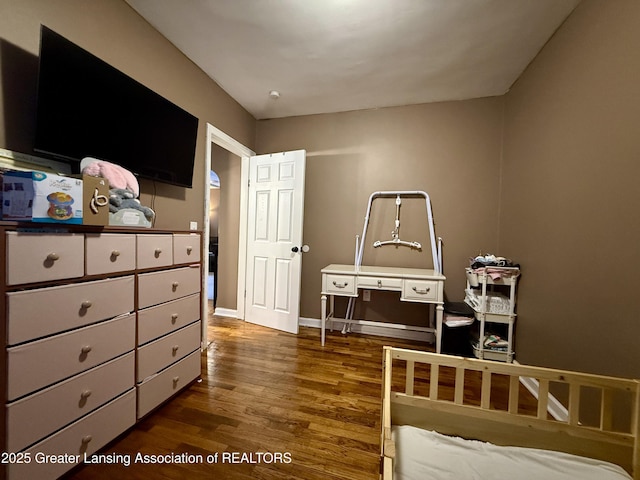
95,200
41,197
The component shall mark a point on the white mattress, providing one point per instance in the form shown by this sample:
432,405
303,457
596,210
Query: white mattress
426,455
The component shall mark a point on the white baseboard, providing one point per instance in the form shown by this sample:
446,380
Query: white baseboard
370,328
226,312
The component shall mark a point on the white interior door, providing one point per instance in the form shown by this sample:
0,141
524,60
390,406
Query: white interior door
274,239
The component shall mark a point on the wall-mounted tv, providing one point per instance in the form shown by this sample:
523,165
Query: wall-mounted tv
87,108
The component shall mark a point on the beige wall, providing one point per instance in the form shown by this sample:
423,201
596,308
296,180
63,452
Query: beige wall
570,197
450,150
114,32
558,194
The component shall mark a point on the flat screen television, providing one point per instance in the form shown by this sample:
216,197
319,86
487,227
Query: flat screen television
87,108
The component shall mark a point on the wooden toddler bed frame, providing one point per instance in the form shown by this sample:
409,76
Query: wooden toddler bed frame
427,390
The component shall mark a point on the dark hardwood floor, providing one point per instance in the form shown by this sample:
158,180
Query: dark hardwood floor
296,409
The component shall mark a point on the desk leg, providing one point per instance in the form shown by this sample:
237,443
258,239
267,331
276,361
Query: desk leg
323,313
332,310
439,313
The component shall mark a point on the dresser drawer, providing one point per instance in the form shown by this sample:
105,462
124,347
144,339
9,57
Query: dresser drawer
420,290
45,311
154,250
380,282
160,287
109,252
36,416
85,436
186,248
340,284
40,257
157,355
38,364
154,322
160,387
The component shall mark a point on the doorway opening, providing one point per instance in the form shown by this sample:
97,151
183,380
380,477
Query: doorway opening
230,261
214,204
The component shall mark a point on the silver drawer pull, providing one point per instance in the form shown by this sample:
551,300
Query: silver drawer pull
86,349
340,285
86,439
379,283
189,250
86,304
422,292
157,252
86,394
175,285
176,380
175,349
52,257
174,317
115,253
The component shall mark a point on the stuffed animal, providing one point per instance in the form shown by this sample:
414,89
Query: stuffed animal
120,198
119,177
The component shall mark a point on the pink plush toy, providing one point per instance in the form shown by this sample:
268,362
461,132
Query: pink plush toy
118,176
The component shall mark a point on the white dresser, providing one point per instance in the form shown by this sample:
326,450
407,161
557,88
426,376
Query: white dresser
101,327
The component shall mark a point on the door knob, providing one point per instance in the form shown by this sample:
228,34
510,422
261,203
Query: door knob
294,249
304,249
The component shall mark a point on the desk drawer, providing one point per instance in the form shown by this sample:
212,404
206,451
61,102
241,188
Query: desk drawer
341,284
110,252
40,257
38,415
382,283
38,364
420,290
157,355
45,311
85,436
155,390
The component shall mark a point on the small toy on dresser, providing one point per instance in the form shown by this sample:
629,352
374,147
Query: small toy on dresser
120,198
124,206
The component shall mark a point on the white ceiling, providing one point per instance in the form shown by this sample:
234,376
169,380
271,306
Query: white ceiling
337,55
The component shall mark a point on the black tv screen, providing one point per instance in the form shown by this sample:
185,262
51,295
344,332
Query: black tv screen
87,108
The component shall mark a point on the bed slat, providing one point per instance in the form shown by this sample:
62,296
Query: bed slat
459,387
433,382
635,431
514,394
543,398
574,404
606,410
485,394
408,388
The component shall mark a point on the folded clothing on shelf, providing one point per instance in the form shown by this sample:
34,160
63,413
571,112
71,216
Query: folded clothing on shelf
458,314
490,260
492,342
457,320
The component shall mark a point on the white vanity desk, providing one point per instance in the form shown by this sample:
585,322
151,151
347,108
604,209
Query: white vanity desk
414,284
